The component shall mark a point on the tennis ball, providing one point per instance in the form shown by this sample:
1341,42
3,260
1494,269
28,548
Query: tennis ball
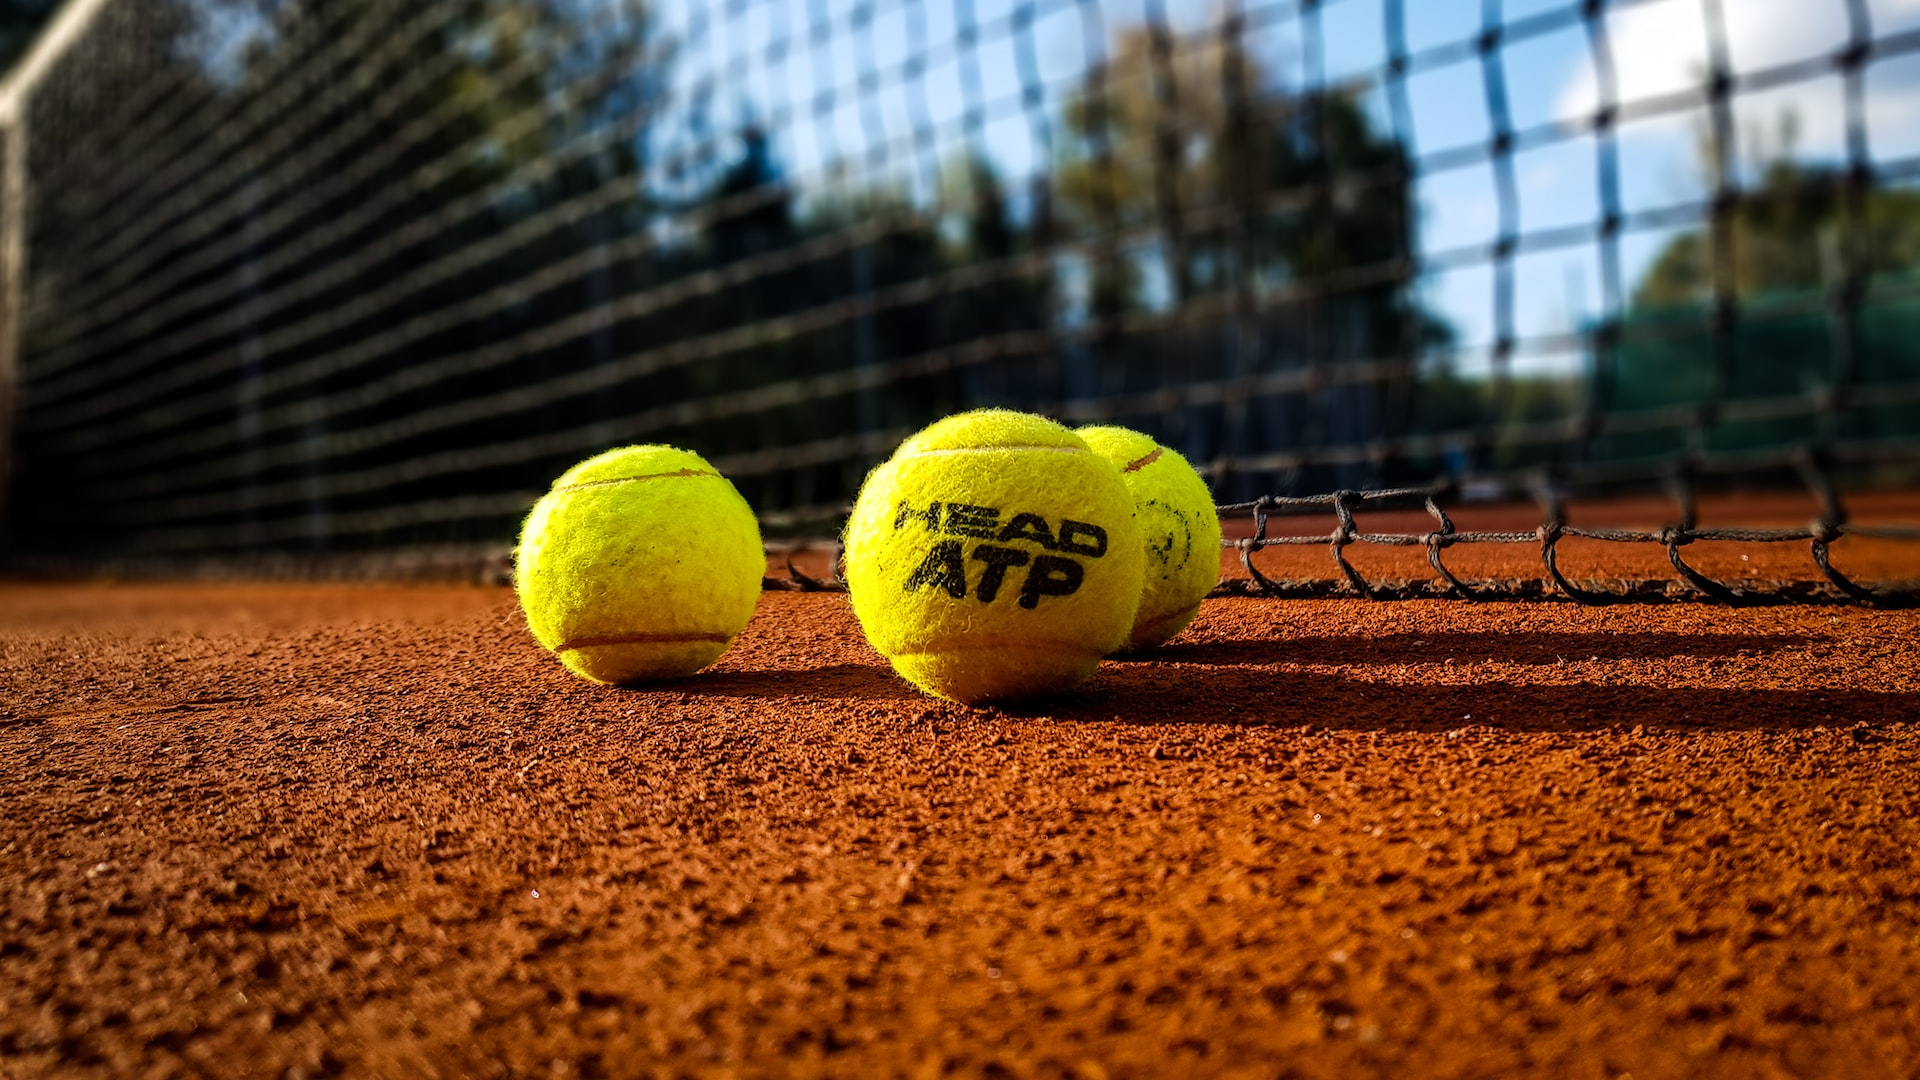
994,556
641,563
1178,526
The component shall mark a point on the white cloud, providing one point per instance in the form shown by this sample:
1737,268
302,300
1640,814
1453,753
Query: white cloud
1662,48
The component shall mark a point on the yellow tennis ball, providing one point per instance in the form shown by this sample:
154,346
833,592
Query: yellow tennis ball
1178,525
994,556
641,563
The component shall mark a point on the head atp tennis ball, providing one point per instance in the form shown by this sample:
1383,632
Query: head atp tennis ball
641,563
994,556
1178,526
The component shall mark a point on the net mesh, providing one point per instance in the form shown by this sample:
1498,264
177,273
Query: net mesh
363,276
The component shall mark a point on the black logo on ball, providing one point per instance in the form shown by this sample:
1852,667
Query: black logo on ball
1056,570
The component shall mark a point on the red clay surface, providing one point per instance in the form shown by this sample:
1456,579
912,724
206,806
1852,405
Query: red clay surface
312,830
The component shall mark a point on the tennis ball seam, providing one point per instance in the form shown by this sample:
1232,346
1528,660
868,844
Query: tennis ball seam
953,645
676,475
1153,626
946,450
642,639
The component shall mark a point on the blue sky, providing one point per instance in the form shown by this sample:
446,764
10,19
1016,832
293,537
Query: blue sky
864,100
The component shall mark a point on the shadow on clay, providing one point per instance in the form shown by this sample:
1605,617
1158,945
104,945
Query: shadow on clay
1237,684
855,682
1469,647
1140,694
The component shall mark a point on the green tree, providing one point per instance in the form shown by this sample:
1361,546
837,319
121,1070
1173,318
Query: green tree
1245,183
1792,235
1790,232
1194,161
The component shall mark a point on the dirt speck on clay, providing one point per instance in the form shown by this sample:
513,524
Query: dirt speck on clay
297,831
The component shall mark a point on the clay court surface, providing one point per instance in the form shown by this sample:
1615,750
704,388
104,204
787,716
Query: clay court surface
304,830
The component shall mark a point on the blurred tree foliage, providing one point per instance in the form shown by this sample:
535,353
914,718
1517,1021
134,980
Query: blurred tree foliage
1247,184
1793,242
875,312
1791,231
1280,222
529,114
292,212
781,323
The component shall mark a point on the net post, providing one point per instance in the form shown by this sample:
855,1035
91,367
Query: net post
13,265
68,24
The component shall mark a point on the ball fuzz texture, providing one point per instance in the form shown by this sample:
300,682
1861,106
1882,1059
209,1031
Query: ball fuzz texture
994,556
1178,527
641,563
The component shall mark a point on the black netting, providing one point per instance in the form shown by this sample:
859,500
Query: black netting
362,276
